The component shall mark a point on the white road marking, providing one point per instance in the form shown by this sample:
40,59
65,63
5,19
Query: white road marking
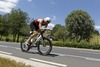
93,59
26,61
10,47
82,57
5,52
2,46
90,52
48,62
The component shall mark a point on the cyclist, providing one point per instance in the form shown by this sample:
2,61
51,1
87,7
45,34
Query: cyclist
36,27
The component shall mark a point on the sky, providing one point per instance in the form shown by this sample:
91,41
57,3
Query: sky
58,10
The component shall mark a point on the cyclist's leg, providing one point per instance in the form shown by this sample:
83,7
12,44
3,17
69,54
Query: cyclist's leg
32,35
35,32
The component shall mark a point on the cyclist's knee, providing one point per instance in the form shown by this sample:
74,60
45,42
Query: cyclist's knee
34,33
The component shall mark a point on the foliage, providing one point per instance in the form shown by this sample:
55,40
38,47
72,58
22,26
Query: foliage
14,23
56,27
4,26
18,20
59,31
96,32
74,44
25,30
79,25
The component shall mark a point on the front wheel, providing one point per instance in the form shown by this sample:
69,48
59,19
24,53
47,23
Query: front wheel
44,46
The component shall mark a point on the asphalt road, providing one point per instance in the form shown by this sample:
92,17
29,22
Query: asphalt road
60,57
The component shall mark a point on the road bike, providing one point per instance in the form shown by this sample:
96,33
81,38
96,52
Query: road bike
43,44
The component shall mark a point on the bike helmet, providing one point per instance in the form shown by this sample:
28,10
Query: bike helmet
47,19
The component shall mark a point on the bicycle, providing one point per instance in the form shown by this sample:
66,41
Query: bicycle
43,44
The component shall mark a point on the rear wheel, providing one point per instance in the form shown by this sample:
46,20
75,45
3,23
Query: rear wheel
24,47
44,46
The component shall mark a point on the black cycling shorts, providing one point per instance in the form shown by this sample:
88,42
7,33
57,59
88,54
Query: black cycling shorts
34,26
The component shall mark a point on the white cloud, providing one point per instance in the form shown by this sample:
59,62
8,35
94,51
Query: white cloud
50,25
13,1
54,18
29,0
97,27
7,5
53,3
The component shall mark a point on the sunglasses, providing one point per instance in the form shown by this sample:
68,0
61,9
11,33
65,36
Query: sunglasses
48,21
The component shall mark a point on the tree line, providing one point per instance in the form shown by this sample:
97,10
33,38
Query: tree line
78,26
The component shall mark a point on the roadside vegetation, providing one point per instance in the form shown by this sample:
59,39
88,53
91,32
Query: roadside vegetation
78,31
11,63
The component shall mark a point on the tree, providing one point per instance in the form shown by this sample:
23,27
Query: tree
5,20
79,25
96,32
18,19
25,30
56,27
1,27
59,31
4,25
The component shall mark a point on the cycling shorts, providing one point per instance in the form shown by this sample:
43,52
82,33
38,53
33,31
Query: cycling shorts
34,26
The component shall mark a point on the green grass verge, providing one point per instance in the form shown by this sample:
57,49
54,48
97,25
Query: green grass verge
11,63
94,43
76,44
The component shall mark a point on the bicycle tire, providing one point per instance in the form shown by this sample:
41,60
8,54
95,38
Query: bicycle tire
22,44
49,44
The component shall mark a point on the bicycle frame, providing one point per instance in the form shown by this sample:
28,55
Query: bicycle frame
39,36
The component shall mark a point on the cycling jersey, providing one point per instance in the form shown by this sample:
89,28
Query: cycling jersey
37,22
35,25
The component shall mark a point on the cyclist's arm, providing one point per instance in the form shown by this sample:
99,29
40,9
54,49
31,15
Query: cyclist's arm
46,25
40,23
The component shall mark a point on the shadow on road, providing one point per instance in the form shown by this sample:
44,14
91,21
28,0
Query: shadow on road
52,55
49,55
33,52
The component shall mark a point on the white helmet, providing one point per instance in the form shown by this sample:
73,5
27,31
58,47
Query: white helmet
47,19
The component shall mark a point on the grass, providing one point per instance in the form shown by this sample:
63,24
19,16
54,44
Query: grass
95,39
93,44
10,37
11,63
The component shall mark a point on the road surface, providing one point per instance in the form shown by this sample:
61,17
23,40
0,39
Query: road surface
59,57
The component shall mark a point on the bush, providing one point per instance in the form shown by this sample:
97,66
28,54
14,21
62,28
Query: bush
76,44
57,43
